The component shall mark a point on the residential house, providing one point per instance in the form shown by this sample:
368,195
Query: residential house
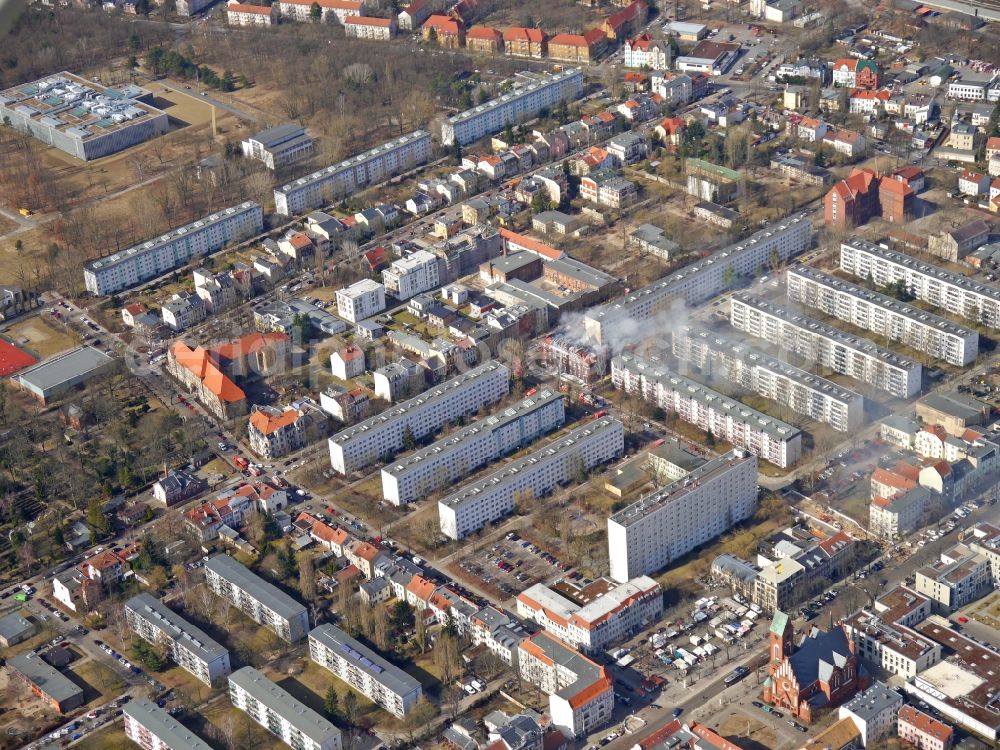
645,52
273,432
447,32
577,47
973,183
183,310
619,26
607,188
369,27
413,15
348,362
525,42
177,486
856,73
484,39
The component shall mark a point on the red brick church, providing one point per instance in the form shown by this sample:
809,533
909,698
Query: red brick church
820,673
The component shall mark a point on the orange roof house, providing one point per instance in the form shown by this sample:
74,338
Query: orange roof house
484,39
625,22
448,32
267,423
521,41
577,47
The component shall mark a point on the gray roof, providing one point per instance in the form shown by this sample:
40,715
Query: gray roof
364,659
175,627
735,566
955,404
45,677
581,272
299,715
270,596
165,727
61,368
873,701
14,626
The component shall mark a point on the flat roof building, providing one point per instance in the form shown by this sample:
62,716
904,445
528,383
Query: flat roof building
82,118
149,726
46,682
888,317
718,355
521,103
55,376
261,601
733,421
280,145
958,294
826,346
140,263
667,524
382,435
354,173
14,628
291,721
188,646
364,670
700,281
460,453
560,461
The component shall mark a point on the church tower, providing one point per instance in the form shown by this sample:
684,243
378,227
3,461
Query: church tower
781,639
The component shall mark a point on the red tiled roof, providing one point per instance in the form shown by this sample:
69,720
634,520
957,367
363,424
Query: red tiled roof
368,21
266,423
442,24
523,34
846,62
261,10
484,32
528,243
924,723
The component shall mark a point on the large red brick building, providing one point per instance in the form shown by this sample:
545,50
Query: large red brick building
818,674
864,194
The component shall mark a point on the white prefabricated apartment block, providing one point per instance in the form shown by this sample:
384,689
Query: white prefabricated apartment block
739,425
620,611
131,267
559,461
459,454
826,346
382,435
262,602
340,180
383,683
409,276
293,722
152,728
871,311
700,281
657,529
958,294
523,102
188,646
362,299
718,355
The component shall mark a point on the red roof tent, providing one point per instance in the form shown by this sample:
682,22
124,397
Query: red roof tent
13,359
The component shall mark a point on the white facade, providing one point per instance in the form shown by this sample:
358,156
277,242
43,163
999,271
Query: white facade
186,645
131,267
661,527
239,14
331,11
383,683
367,27
460,453
348,363
558,462
360,171
647,53
152,728
873,711
895,517
615,615
883,315
262,602
280,145
277,711
969,90
412,275
362,299
958,294
675,88
826,346
894,647
382,435
700,281
520,104
804,393
733,421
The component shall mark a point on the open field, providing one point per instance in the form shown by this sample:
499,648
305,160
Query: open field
103,681
40,338
746,731
109,738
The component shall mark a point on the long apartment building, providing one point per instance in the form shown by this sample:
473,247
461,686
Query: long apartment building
128,268
733,421
364,670
560,461
593,617
826,346
581,693
357,172
871,311
719,355
667,524
262,602
953,292
700,281
527,98
382,435
187,645
152,728
884,634
277,711
460,453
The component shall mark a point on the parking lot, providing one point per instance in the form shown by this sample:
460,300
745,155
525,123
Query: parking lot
511,565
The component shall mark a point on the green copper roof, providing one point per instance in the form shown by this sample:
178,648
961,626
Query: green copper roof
779,623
